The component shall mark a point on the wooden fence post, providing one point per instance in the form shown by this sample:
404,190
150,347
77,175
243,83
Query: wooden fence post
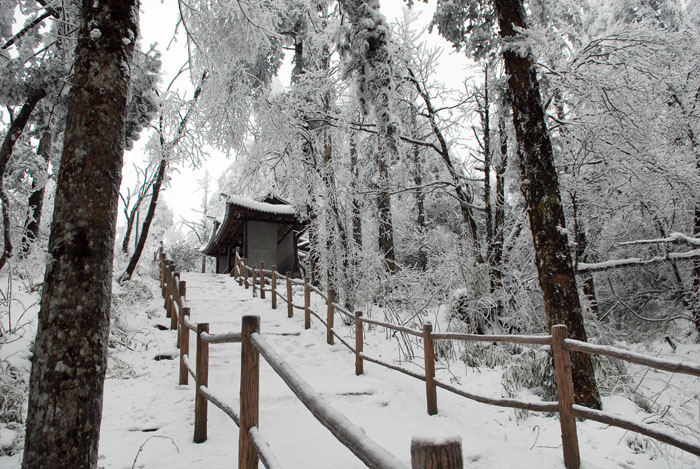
429,354
167,285
428,453
245,273
290,307
330,316
307,303
250,393
184,345
200,402
176,299
565,391
262,280
273,286
254,281
359,343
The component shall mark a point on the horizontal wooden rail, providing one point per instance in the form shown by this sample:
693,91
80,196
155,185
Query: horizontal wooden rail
343,311
318,292
190,325
501,402
190,370
392,327
218,402
352,436
513,339
633,357
297,281
393,367
226,338
644,429
342,340
263,449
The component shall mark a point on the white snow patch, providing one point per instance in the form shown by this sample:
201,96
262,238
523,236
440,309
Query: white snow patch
95,34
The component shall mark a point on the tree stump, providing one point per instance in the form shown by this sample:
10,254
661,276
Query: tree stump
429,452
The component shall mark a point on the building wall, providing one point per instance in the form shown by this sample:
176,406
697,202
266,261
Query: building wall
262,243
285,254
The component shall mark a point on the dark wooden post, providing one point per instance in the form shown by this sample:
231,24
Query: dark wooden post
175,303
330,316
254,281
429,353
359,343
565,390
307,303
262,280
273,286
184,346
202,373
167,285
427,453
250,393
245,273
290,307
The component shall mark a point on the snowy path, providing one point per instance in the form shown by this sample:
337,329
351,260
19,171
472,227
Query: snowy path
151,410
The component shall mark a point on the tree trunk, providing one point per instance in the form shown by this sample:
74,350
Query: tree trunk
8,144
36,198
166,150
386,225
420,195
155,192
540,189
588,287
356,212
70,352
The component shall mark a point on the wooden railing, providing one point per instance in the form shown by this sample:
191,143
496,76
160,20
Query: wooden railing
264,281
252,445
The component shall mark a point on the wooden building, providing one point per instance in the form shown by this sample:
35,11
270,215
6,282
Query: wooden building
266,231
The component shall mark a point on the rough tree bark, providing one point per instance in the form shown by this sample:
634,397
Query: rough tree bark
70,352
540,189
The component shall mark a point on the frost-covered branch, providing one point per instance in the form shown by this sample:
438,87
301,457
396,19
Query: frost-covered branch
636,261
677,238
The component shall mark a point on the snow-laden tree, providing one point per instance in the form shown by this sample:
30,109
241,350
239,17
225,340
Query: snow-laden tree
70,351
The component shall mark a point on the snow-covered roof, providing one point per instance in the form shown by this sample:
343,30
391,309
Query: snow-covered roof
250,204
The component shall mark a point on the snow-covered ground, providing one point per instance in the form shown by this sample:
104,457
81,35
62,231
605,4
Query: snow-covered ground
148,418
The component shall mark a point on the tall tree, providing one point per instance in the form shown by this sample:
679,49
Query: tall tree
540,189
70,352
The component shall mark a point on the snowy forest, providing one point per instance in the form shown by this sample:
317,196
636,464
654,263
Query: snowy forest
553,179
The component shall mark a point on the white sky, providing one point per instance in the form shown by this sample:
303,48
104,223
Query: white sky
158,19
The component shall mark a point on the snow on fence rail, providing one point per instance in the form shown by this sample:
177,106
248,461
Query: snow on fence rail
252,445
560,345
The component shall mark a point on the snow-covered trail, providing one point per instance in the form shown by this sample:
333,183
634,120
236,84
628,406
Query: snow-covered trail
152,412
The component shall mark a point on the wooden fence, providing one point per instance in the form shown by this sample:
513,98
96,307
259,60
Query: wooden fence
263,281
252,446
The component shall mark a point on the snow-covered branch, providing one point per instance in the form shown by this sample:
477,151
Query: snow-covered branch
637,262
677,238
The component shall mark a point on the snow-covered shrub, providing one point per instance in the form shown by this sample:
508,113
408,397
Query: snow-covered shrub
477,354
186,257
13,390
